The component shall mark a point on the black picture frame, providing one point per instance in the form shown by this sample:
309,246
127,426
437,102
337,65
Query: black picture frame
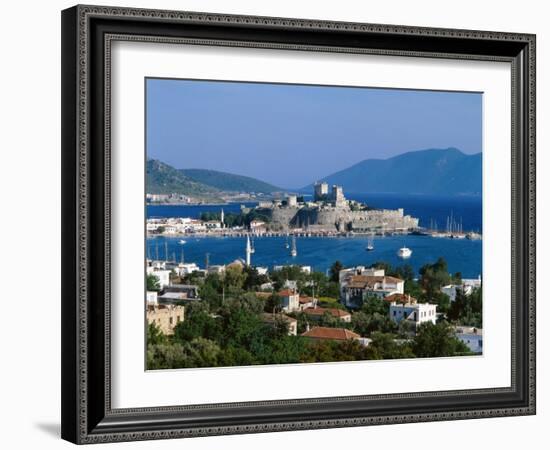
87,416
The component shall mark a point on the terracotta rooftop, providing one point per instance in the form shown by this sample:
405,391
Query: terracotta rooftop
269,317
337,334
363,281
400,298
286,293
306,299
332,311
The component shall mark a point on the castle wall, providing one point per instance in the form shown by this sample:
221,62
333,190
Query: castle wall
340,219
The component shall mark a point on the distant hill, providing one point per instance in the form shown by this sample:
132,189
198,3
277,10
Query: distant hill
200,183
229,182
164,179
434,171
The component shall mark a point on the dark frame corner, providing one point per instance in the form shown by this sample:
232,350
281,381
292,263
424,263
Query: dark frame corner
87,416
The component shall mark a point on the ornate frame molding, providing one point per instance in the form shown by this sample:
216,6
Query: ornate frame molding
84,62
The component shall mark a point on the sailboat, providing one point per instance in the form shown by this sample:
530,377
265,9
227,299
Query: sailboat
370,244
293,251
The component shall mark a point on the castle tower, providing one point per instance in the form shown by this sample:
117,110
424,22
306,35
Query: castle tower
337,196
320,191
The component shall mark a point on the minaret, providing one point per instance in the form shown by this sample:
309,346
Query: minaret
248,250
222,217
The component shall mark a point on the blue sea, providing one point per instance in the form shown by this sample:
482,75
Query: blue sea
462,255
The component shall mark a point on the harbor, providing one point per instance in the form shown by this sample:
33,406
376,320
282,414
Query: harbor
320,252
177,233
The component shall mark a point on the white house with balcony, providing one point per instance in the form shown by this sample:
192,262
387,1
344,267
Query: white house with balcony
357,284
406,308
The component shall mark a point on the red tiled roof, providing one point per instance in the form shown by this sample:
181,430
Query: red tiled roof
363,281
400,298
286,293
306,299
338,334
332,311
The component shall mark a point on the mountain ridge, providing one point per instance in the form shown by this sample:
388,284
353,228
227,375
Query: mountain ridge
431,171
225,181
162,178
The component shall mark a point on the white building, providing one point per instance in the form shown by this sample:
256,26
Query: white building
472,337
418,313
257,226
467,287
216,268
357,284
262,270
183,269
290,300
292,200
213,225
162,275
152,298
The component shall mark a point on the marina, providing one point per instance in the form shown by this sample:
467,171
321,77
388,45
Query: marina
459,242
462,255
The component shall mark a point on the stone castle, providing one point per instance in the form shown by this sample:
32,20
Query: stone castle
331,211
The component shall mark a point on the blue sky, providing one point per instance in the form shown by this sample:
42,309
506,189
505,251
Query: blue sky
292,135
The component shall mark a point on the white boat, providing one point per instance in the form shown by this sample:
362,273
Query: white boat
370,245
181,241
293,251
404,252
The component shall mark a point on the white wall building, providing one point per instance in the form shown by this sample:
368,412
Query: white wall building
417,313
472,337
290,300
183,269
152,298
358,283
162,275
467,287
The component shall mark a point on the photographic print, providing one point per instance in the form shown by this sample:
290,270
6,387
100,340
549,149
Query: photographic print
290,223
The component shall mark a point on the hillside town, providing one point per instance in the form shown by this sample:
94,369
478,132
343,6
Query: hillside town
238,314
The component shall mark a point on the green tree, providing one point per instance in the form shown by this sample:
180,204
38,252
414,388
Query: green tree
387,347
253,279
273,304
234,276
203,352
437,341
167,356
198,324
335,271
153,283
154,335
